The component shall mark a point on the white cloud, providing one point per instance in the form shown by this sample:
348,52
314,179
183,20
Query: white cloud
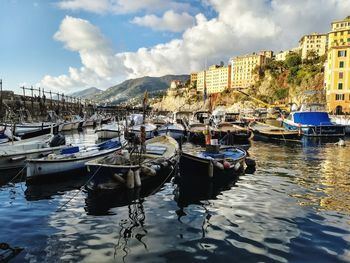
240,27
100,65
170,21
121,6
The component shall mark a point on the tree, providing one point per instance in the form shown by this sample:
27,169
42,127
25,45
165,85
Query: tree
292,60
312,56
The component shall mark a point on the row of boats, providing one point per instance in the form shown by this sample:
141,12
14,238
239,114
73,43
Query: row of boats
126,160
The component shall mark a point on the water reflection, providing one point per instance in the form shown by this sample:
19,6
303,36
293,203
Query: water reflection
40,190
131,228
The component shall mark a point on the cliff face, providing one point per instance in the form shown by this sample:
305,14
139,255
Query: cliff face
292,81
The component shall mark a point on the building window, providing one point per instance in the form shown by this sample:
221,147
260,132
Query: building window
340,85
341,75
342,53
339,96
341,64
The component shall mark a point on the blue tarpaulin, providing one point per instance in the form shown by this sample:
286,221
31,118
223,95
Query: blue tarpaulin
312,118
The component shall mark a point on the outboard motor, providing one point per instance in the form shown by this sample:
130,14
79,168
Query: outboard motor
58,140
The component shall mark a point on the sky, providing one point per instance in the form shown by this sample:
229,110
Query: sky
69,45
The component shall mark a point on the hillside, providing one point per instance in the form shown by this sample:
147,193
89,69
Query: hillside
290,82
86,93
133,88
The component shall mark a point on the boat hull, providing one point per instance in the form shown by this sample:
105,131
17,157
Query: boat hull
192,166
44,169
317,131
107,134
15,161
176,134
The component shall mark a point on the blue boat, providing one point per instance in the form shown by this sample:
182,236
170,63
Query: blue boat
313,124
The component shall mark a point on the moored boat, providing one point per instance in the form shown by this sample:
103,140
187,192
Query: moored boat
239,133
111,130
313,124
269,132
149,129
14,156
176,130
210,164
69,159
123,171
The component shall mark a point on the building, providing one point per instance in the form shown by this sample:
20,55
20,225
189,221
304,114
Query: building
283,54
215,79
243,68
337,67
175,86
193,78
313,42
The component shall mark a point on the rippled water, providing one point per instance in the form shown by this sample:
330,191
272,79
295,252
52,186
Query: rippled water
294,208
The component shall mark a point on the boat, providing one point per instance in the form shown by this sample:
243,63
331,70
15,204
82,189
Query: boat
176,130
269,132
69,159
129,170
239,133
343,120
111,130
14,156
25,127
313,124
196,133
149,128
211,162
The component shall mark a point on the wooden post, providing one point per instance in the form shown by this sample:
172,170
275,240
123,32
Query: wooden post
51,100
32,99
1,97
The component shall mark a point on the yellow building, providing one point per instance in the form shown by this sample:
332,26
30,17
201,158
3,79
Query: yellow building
243,72
313,42
193,78
281,56
337,68
214,80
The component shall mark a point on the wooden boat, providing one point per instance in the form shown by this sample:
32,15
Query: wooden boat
196,133
69,159
123,171
269,132
176,130
239,133
207,163
14,156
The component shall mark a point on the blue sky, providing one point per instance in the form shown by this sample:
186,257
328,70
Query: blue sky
67,45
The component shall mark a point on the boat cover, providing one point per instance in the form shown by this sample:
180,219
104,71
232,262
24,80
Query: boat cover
312,118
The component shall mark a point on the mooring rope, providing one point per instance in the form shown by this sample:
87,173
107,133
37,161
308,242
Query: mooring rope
20,172
81,189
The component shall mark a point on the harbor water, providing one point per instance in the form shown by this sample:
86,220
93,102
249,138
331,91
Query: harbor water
294,208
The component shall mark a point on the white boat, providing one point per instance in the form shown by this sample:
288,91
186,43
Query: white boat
111,130
176,130
66,126
14,156
343,120
70,159
43,138
149,129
